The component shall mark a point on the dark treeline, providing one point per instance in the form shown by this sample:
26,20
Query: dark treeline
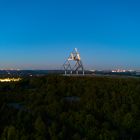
70,108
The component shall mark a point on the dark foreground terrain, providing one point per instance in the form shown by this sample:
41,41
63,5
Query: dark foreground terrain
70,108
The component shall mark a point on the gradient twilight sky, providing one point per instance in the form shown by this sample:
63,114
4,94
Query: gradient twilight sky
40,34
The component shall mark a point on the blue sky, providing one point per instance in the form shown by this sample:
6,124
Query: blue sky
39,34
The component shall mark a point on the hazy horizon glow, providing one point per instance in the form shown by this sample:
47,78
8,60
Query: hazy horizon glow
39,34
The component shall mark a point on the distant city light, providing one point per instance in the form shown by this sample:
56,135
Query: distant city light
121,70
10,79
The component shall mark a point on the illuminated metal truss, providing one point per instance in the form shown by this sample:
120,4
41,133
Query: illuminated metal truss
73,63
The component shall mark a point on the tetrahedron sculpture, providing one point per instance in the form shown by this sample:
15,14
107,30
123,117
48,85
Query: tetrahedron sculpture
74,64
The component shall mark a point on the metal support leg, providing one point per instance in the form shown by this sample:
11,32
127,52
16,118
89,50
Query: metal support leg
83,73
77,72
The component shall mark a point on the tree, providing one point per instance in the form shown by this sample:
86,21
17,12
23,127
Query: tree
10,133
40,129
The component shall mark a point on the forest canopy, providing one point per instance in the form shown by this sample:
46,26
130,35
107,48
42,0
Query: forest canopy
70,108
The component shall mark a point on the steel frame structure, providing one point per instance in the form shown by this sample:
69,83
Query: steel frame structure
74,57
